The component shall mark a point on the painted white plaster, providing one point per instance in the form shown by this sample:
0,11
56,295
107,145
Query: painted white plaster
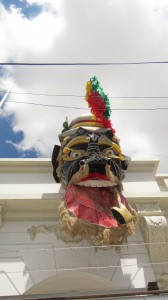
29,197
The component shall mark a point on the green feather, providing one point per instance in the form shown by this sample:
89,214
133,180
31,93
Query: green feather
95,87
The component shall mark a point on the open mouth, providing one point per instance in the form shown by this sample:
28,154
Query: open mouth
95,180
91,203
95,183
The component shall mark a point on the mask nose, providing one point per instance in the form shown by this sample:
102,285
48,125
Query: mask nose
93,146
98,167
96,163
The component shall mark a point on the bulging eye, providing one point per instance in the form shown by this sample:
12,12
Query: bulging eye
74,154
109,151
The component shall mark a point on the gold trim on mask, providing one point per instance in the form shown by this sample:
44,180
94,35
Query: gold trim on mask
77,154
78,140
87,124
103,140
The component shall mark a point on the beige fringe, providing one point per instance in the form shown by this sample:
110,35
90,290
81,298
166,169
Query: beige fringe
114,179
94,234
82,173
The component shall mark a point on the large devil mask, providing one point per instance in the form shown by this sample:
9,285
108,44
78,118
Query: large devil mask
90,165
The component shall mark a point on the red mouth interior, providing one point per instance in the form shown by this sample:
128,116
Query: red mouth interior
92,204
95,176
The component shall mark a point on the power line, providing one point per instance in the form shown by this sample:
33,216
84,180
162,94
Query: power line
83,96
47,95
48,105
75,248
138,265
82,108
83,63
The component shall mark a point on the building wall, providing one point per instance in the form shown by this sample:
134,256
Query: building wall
34,260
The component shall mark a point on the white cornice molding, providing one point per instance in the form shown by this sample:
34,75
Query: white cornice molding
44,165
2,205
45,206
143,165
28,207
26,165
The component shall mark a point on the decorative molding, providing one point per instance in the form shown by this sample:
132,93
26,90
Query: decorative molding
162,280
31,207
148,209
44,165
26,165
44,206
155,233
143,165
147,197
2,204
38,207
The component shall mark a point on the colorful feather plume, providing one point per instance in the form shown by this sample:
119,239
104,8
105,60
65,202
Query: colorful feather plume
98,102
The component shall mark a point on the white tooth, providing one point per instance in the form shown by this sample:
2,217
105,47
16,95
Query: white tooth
95,183
80,183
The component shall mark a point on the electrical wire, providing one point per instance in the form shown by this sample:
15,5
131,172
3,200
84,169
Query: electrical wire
139,265
83,96
83,63
47,105
82,108
47,95
75,248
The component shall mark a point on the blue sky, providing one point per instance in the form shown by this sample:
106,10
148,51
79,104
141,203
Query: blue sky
30,11
83,31
7,150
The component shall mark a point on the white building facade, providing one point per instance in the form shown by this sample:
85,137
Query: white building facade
34,259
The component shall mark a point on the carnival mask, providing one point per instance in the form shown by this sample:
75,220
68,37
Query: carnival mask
90,165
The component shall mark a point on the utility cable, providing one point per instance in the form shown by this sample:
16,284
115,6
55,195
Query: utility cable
83,63
76,248
139,265
82,108
83,96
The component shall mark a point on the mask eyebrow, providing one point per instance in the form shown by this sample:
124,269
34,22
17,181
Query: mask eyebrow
78,140
103,140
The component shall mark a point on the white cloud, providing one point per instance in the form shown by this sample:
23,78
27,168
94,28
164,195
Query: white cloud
20,35
87,31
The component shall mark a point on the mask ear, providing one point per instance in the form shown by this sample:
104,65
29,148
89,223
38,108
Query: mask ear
109,134
55,162
125,162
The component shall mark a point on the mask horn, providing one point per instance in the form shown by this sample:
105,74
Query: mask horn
121,213
55,162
